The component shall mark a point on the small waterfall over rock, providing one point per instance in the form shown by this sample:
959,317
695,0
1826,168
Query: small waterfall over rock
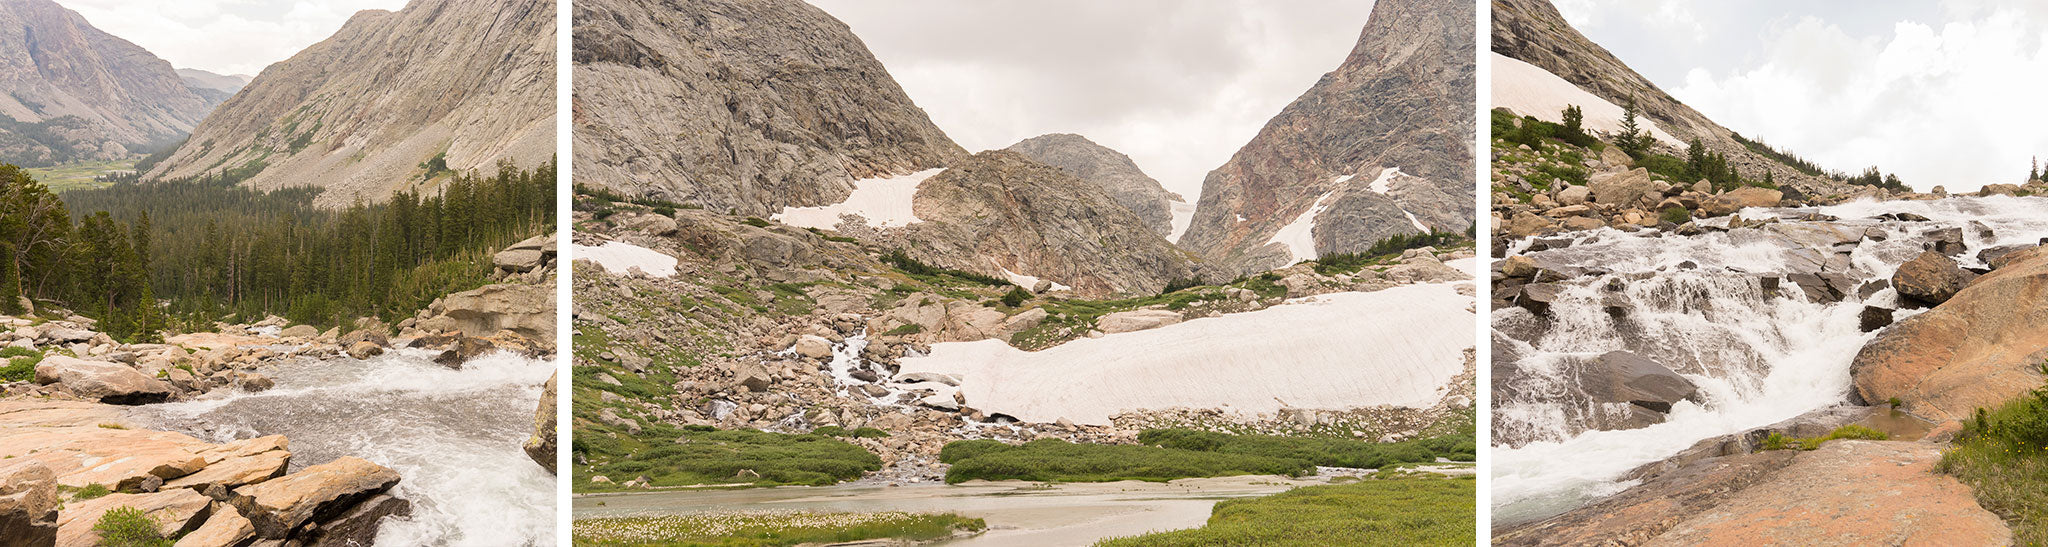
1742,328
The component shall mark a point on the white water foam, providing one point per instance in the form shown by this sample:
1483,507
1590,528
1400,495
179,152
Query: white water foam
454,436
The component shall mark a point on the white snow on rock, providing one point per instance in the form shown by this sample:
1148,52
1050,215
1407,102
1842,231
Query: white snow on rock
1027,282
1417,222
1385,181
1397,347
1183,216
1299,236
1528,90
882,202
625,258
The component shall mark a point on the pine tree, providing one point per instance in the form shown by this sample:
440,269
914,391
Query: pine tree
1632,139
10,282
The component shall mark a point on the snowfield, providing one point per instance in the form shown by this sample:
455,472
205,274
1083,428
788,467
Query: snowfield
624,258
1299,236
1399,347
1384,182
1183,216
1528,90
1027,282
883,202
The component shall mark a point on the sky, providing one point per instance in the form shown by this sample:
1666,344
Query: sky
1178,85
223,36
1940,92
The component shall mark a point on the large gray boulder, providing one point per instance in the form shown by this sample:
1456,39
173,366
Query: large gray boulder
111,383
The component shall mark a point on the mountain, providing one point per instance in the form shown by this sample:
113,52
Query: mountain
1111,170
380,105
69,92
1379,147
1537,53
215,87
764,104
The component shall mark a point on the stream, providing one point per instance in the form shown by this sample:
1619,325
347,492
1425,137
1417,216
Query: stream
454,437
1702,306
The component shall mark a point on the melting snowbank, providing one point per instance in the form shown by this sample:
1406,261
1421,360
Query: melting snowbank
1398,346
1299,236
1528,90
623,258
1028,282
884,202
1183,216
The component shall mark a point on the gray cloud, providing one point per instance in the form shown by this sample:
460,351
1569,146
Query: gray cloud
1178,85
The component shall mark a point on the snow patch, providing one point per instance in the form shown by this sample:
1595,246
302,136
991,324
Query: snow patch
1299,236
1385,181
1183,216
1396,347
882,202
1027,282
624,258
1412,220
1528,90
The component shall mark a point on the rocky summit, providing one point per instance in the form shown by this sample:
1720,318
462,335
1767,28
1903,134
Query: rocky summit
391,102
70,92
1379,147
765,104
1109,169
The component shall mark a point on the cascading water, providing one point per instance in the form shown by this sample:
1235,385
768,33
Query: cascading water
453,435
1718,309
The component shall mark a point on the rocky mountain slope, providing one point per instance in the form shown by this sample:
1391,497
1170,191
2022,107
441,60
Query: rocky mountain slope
1380,146
765,105
215,88
1111,170
376,108
1533,31
69,92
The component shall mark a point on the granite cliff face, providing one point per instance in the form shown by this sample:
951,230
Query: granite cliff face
1534,32
1379,147
1114,172
69,92
764,104
364,112
999,213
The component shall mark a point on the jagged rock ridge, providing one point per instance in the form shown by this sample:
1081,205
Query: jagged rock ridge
1109,169
1534,32
1402,100
70,92
764,104
366,111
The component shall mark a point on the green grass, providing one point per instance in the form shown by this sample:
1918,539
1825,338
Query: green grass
1387,249
1778,441
19,364
79,176
128,527
1169,454
934,274
1399,511
699,456
2003,455
91,491
763,529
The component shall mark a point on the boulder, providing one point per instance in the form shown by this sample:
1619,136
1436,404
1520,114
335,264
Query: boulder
28,502
1136,320
1631,188
1623,377
300,331
1023,321
226,528
541,445
371,331
1931,278
243,462
174,512
358,525
1739,198
277,506
528,310
1613,156
753,377
517,261
652,224
1980,348
1526,224
813,346
364,350
1519,266
111,383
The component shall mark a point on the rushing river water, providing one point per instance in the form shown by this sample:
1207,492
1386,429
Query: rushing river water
454,437
1699,305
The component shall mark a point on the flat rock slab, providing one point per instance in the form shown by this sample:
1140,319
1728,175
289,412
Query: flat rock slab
174,511
54,413
115,458
278,505
1850,493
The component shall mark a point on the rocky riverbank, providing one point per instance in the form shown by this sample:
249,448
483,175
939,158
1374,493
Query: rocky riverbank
72,446
748,324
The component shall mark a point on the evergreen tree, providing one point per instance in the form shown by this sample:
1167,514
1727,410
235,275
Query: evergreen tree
10,282
1632,138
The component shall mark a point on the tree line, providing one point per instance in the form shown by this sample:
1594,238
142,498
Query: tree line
189,252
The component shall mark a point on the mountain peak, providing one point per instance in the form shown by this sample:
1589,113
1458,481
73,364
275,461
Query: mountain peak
1113,171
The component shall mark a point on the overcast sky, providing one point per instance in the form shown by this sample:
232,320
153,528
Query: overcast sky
1946,92
1178,85
223,36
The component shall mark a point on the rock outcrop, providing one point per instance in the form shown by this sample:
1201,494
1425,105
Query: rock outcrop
383,104
742,106
1377,147
1000,211
112,383
541,446
1979,349
70,92
1109,169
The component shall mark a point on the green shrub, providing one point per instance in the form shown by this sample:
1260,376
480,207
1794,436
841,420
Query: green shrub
91,491
1675,215
2003,456
755,222
1179,284
1016,297
912,328
128,527
903,261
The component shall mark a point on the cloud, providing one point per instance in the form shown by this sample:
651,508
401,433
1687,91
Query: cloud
1177,85
223,36
1950,102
